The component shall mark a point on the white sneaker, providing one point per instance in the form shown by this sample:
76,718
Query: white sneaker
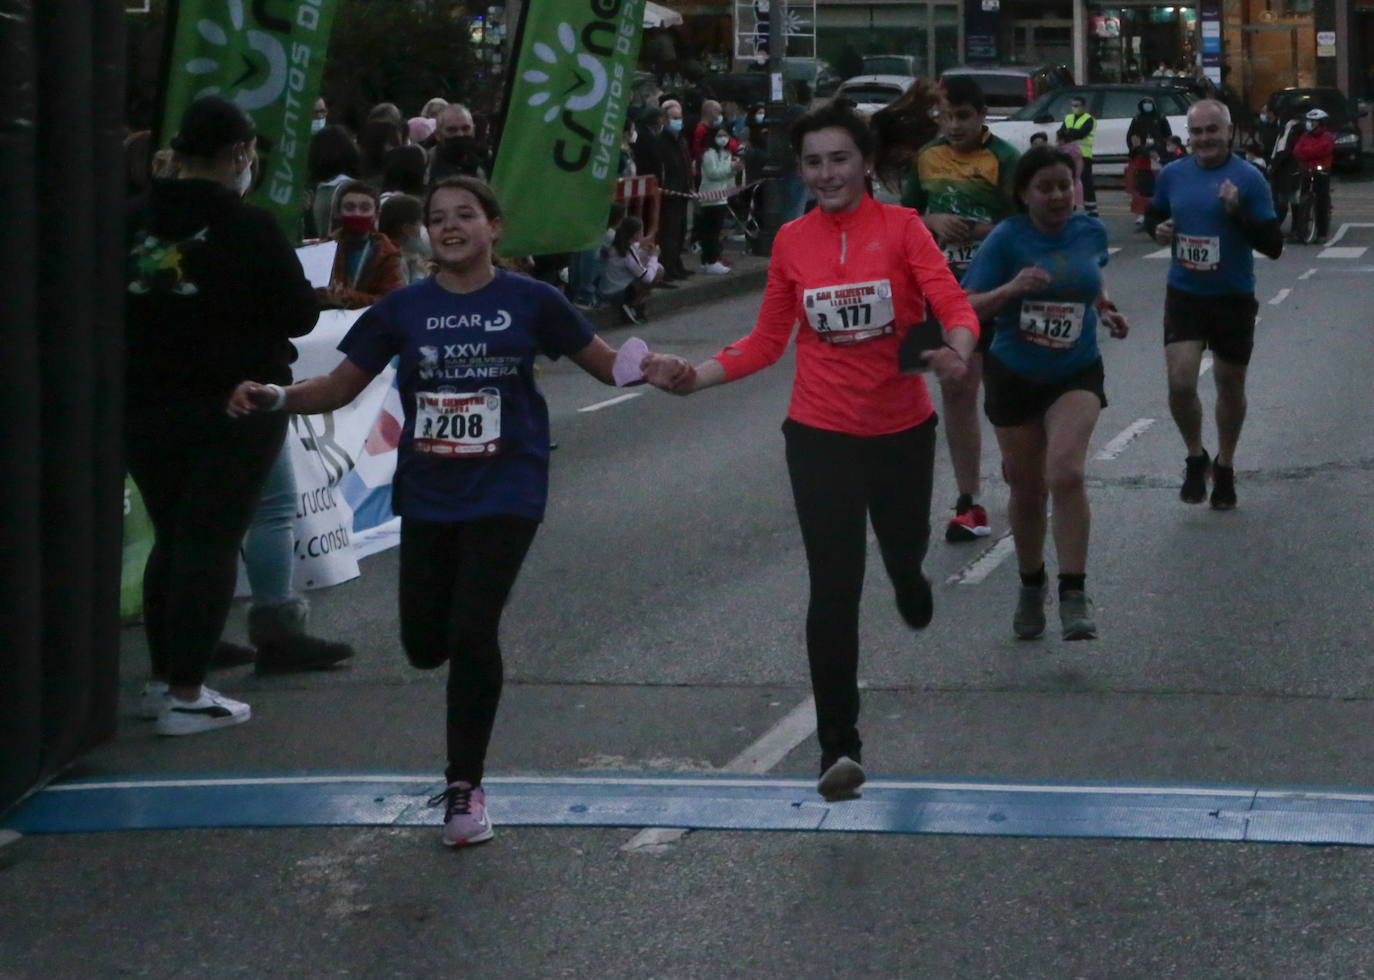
715,269
151,699
209,711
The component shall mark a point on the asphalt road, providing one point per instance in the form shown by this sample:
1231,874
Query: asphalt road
657,628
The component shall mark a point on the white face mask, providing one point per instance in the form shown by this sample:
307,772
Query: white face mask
758,117
722,141
1310,124
317,124
245,180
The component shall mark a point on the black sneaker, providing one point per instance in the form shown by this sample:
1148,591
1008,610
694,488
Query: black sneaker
300,653
916,604
628,312
227,655
1194,489
1223,487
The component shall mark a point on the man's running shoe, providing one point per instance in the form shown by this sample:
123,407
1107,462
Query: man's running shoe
969,524
151,699
1029,620
465,814
1223,487
206,713
841,780
1194,489
916,604
1076,616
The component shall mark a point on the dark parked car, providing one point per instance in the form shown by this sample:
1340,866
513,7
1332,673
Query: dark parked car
1008,88
1343,118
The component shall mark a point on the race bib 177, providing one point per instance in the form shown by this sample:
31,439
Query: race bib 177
851,312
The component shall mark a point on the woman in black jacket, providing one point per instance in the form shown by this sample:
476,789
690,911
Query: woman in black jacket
214,292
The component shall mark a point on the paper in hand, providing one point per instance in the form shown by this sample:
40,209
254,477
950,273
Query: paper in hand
317,262
627,360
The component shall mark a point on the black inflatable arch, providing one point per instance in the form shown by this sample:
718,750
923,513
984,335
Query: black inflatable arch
61,376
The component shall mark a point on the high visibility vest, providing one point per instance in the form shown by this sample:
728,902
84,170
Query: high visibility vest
1072,121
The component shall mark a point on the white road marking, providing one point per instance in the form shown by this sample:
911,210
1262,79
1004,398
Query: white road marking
1279,297
1346,226
1114,249
984,565
1307,275
1163,253
1206,364
1342,252
770,749
609,402
1114,448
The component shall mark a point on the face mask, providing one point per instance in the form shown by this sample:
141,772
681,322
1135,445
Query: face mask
356,224
722,141
1310,125
674,125
634,136
758,117
1148,107
317,124
717,121
245,179
455,148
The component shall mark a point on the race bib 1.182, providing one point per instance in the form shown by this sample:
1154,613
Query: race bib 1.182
1200,253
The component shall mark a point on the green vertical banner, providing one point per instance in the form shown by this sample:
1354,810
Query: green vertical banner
565,111
268,57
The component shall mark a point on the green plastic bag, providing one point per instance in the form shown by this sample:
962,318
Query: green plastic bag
138,544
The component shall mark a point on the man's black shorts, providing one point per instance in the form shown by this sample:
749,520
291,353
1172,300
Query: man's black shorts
1011,399
1225,324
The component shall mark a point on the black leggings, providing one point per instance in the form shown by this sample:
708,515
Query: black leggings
200,473
455,578
706,230
838,482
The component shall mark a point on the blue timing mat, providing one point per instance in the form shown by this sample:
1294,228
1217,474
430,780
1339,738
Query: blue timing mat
696,802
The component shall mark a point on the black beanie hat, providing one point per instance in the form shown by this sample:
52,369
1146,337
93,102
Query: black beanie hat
209,124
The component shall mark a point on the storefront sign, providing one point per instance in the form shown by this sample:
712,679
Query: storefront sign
1326,44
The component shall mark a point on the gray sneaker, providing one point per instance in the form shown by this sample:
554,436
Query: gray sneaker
1029,621
1076,616
841,781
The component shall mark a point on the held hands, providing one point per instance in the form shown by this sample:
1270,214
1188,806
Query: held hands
1164,231
250,397
669,373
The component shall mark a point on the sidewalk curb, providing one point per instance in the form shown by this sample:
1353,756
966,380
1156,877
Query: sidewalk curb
696,291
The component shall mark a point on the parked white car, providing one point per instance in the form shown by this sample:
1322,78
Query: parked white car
869,93
1113,106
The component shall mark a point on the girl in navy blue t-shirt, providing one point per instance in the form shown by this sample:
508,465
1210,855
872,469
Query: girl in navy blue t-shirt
472,465
1038,277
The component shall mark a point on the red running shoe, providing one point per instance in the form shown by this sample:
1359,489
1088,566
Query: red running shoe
969,525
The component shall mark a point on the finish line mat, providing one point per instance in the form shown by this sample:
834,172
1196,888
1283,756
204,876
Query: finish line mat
698,802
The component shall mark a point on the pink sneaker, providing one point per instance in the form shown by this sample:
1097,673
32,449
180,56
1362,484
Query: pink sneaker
465,814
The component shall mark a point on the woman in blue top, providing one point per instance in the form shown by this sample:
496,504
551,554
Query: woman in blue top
473,461
1038,277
